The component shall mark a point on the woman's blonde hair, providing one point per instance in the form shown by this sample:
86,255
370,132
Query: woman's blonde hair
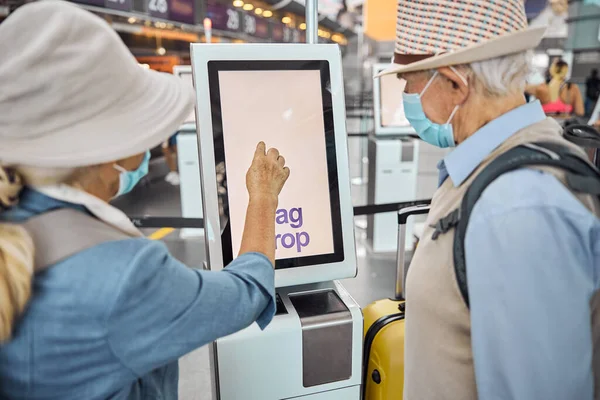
16,246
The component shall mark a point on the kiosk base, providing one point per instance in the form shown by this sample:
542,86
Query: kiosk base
311,350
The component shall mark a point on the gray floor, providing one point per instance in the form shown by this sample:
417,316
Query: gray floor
375,279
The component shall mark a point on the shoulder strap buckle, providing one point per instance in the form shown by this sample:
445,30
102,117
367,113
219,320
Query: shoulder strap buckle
445,224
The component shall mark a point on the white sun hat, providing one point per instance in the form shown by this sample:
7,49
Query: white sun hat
71,93
438,33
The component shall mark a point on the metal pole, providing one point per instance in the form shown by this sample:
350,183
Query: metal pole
312,21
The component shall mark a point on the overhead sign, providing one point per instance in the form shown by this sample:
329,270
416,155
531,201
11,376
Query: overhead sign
98,3
158,8
249,24
182,11
123,5
173,10
257,27
277,32
224,18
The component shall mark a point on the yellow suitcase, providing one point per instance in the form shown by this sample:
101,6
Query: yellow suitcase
383,352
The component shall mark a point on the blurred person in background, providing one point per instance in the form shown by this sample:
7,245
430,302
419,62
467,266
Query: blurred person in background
559,97
89,308
526,326
592,92
169,149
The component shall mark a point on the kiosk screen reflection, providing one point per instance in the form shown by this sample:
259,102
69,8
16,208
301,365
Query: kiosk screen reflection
287,106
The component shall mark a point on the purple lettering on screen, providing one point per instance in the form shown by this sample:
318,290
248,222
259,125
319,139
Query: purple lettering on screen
281,217
292,240
296,221
302,243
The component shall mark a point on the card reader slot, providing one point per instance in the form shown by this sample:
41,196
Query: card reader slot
317,303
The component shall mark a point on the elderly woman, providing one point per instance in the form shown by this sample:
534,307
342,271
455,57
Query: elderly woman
89,308
532,247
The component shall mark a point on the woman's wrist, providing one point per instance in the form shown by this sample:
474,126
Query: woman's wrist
264,199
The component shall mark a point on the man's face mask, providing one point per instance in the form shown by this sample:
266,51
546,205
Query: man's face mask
432,133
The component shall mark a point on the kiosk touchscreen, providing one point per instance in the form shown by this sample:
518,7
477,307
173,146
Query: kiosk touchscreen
290,97
293,103
387,101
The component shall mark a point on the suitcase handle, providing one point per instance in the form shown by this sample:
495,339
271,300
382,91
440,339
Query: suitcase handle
401,268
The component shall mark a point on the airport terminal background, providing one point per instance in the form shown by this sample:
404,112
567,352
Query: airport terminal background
381,150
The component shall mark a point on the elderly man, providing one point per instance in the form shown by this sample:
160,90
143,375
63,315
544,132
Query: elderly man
532,249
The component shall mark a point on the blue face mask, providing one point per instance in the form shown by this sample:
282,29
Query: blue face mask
432,133
128,179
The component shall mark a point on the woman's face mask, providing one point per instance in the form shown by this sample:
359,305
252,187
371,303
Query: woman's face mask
129,179
432,133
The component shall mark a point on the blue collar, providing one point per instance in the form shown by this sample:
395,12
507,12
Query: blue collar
31,203
461,162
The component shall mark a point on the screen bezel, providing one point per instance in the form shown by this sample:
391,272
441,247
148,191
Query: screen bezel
381,129
216,66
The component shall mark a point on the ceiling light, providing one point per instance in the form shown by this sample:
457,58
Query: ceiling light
258,11
248,7
132,20
267,14
286,20
238,3
161,51
303,26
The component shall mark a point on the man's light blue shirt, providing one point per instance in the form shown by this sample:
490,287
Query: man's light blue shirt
533,265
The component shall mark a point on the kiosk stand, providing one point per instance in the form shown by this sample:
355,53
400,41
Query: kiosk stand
291,97
188,164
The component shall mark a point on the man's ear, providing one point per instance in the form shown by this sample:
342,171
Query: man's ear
460,89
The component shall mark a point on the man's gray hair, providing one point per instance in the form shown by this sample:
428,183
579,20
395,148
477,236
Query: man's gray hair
501,76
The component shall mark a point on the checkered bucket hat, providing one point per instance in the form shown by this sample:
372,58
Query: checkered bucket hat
437,33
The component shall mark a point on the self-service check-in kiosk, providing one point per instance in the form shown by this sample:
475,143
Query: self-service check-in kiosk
401,167
291,97
188,164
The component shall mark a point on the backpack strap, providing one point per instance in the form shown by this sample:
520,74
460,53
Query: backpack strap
580,176
582,135
60,234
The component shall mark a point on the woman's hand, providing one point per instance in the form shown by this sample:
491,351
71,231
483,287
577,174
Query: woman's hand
267,174
264,181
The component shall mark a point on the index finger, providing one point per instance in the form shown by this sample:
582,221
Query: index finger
260,149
